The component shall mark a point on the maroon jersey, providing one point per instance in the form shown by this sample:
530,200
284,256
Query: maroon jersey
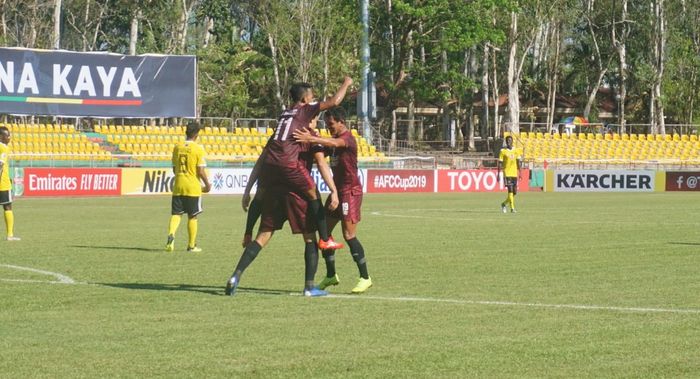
283,149
306,156
344,164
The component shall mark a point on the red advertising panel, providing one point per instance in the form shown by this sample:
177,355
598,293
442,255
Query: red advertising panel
682,181
72,181
383,181
477,181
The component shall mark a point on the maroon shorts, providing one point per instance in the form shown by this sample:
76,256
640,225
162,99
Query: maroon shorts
273,210
296,211
350,202
280,206
294,179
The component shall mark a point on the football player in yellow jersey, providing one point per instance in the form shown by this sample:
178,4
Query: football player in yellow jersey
5,184
189,167
511,158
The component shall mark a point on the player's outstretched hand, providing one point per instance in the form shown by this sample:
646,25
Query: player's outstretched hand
303,135
245,202
347,81
334,201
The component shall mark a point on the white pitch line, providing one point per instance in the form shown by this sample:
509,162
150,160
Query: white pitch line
517,304
61,278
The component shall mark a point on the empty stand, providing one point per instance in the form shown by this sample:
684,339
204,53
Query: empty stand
611,148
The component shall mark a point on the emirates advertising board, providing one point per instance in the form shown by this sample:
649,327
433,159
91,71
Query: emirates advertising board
59,182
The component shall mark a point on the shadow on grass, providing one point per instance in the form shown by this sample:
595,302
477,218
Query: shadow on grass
133,248
209,290
685,243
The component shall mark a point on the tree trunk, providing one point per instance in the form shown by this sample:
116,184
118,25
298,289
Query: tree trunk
554,76
661,67
3,21
32,30
392,143
57,25
445,106
484,122
471,146
602,68
411,114
496,96
209,22
276,71
305,38
326,63
184,17
513,79
134,32
86,21
656,112
621,47
593,92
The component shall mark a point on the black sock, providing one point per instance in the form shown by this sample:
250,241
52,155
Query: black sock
254,212
248,256
319,214
329,257
358,255
310,264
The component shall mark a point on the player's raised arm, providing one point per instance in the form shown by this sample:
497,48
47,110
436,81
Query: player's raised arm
336,99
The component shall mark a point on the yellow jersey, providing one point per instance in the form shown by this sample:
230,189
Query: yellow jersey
5,184
187,156
509,159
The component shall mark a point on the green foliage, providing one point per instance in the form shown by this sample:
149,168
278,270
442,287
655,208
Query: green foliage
235,34
233,81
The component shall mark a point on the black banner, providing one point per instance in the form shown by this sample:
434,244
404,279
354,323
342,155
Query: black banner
62,83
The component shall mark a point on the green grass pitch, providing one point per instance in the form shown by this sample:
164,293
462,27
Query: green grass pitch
574,285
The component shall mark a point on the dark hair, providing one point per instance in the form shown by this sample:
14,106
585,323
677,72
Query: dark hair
193,127
338,114
511,138
298,90
4,129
